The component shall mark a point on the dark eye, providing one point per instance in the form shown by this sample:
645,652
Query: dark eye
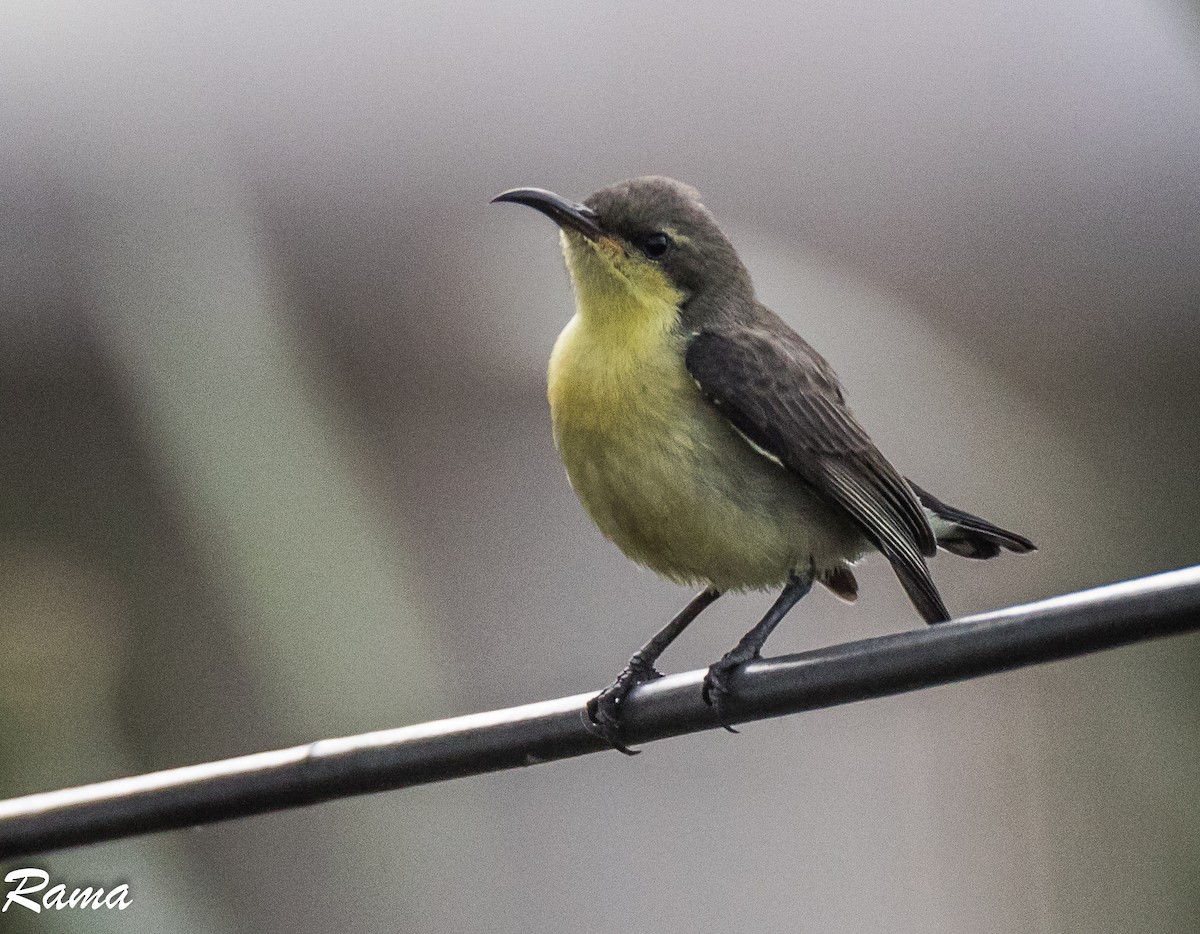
655,245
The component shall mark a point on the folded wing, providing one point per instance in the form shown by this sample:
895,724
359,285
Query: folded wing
782,396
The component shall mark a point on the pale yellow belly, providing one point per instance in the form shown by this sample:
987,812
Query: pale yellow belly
673,485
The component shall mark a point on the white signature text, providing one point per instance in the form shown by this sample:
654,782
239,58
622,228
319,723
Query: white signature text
31,881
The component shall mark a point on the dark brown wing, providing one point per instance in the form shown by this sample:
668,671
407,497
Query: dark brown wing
785,399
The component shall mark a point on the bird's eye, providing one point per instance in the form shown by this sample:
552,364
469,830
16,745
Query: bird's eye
655,245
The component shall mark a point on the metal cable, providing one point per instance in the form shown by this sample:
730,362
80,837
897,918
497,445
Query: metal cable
1054,629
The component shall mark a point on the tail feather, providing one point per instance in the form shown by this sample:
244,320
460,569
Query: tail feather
921,590
968,535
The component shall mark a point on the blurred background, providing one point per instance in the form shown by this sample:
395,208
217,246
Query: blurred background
275,460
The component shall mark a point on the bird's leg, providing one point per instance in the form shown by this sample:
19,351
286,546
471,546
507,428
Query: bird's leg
604,710
716,682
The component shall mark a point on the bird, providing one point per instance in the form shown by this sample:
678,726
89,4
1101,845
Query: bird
709,441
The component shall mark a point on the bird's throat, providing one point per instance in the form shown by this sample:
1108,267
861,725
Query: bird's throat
624,302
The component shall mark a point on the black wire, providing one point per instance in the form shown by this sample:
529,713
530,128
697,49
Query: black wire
1054,629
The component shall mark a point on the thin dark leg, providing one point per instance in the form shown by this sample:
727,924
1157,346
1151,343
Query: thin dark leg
716,682
604,709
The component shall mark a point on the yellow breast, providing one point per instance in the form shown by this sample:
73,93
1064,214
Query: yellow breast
660,472
668,481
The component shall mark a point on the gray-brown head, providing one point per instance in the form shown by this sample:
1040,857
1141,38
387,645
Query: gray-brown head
649,235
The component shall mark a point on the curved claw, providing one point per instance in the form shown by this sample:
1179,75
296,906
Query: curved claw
603,722
716,686
604,710
716,682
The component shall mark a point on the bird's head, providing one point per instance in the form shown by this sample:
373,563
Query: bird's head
642,243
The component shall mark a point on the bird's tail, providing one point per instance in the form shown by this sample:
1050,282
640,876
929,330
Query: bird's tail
967,535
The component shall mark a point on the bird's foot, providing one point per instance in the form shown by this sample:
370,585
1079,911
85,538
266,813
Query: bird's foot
604,710
716,682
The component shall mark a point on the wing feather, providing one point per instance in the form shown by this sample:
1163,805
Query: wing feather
780,394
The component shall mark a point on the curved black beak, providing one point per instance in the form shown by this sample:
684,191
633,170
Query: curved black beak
563,212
